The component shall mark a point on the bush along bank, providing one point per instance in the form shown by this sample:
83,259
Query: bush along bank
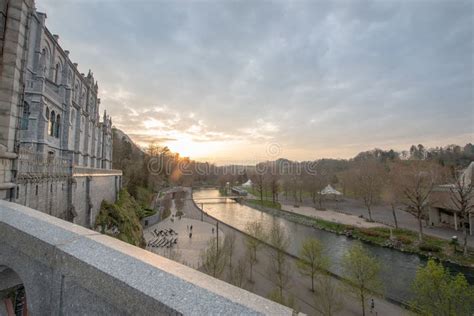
122,219
400,239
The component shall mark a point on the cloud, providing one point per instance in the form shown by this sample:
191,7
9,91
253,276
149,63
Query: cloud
320,77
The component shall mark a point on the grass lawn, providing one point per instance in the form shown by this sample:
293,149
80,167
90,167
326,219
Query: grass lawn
265,203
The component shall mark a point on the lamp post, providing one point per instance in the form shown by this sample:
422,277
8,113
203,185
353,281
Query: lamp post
202,212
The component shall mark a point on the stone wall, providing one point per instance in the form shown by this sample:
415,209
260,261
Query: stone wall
69,270
89,191
13,41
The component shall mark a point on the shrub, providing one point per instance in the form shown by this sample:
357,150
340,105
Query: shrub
405,240
430,248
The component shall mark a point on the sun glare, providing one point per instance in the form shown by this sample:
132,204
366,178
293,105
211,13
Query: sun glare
188,148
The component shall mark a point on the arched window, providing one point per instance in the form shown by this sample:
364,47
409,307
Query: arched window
52,123
58,126
45,62
26,116
57,73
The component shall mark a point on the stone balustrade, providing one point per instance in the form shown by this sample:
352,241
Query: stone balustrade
69,270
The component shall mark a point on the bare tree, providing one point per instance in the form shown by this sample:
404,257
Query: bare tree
274,185
311,259
279,268
237,274
327,298
213,258
253,242
418,180
368,183
258,180
462,198
229,246
391,193
315,183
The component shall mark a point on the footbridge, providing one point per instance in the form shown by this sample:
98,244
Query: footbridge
65,269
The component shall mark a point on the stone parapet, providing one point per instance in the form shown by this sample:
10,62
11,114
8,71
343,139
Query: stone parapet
68,270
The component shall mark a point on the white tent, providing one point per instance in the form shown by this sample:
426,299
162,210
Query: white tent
247,184
330,190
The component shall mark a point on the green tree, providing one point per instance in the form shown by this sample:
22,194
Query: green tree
362,270
437,292
311,259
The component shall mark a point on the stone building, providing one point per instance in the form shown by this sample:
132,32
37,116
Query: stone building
55,150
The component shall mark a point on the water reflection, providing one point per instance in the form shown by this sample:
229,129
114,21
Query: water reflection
398,268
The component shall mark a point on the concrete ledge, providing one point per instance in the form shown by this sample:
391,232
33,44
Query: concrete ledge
85,172
90,273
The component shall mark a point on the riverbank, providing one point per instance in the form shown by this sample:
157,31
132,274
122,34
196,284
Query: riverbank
398,239
298,286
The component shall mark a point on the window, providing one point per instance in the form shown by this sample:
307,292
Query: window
57,73
26,116
58,126
52,123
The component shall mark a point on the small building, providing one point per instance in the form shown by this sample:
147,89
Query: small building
442,210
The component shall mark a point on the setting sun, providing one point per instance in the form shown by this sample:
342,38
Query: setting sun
187,147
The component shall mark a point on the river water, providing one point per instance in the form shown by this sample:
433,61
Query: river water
398,268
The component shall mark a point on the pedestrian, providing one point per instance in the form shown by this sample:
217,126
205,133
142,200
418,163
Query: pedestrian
213,230
372,306
190,234
191,227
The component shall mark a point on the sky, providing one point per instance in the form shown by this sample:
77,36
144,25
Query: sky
243,81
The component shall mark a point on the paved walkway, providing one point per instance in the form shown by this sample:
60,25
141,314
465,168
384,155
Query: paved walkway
187,250
331,216
383,214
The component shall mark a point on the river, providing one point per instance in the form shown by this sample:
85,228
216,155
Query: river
398,268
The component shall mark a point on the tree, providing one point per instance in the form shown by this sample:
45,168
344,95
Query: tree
362,271
462,197
279,269
237,274
229,245
274,184
315,183
418,180
391,192
311,259
437,292
368,183
258,182
253,242
327,298
213,258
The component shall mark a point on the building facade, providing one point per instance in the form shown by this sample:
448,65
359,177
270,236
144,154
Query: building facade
55,147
